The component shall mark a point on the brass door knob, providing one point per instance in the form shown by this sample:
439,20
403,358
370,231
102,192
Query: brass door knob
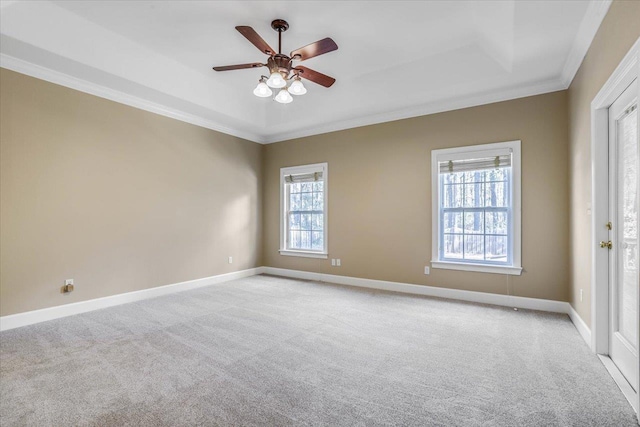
608,244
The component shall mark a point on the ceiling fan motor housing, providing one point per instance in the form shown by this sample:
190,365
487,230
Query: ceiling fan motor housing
279,63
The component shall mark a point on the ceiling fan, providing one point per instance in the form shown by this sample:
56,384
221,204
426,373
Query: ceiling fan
281,67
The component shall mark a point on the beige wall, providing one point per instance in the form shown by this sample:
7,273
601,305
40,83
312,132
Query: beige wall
120,199
380,195
116,198
618,32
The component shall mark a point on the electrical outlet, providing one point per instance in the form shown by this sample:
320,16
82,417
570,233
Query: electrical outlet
426,270
338,262
581,295
230,260
68,286
333,262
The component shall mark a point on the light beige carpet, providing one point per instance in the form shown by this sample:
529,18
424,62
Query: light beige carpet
274,351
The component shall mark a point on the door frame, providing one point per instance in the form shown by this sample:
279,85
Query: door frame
627,71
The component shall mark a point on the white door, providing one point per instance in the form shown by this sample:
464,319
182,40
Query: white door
623,261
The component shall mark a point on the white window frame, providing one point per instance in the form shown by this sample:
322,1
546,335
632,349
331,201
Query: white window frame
295,170
515,232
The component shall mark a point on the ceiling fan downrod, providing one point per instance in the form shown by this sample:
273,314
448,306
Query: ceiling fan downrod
280,25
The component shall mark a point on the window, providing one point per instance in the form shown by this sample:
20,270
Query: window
303,211
476,211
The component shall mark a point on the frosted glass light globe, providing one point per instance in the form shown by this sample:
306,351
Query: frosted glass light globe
297,88
276,81
284,97
262,90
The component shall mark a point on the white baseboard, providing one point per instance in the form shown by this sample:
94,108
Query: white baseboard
42,315
36,316
479,297
581,326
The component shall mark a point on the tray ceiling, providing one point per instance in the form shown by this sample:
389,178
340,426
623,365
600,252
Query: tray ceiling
396,59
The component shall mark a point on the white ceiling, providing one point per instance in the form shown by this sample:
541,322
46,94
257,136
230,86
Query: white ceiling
396,59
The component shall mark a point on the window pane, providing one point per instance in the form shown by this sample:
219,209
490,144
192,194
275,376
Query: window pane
317,221
496,194
474,222
318,201
496,174
294,239
318,240
627,231
295,202
473,176
307,202
453,178
474,247
294,188
496,222
306,187
452,197
306,240
294,221
473,195
305,221
452,222
318,186
497,249
452,246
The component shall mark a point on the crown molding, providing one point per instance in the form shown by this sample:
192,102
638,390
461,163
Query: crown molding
589,26
424,109
56,77
622,76
62,79
594,15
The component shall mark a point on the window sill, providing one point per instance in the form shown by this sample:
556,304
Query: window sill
304,254
482,268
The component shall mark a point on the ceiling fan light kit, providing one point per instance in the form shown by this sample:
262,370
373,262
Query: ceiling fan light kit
281,67
284,97
297,88
262,90
276,80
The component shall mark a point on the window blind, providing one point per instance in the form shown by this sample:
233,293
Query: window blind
303,177
464,165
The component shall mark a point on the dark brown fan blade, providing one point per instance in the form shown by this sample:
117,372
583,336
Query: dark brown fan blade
314,49
254,38
238,67
316,77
